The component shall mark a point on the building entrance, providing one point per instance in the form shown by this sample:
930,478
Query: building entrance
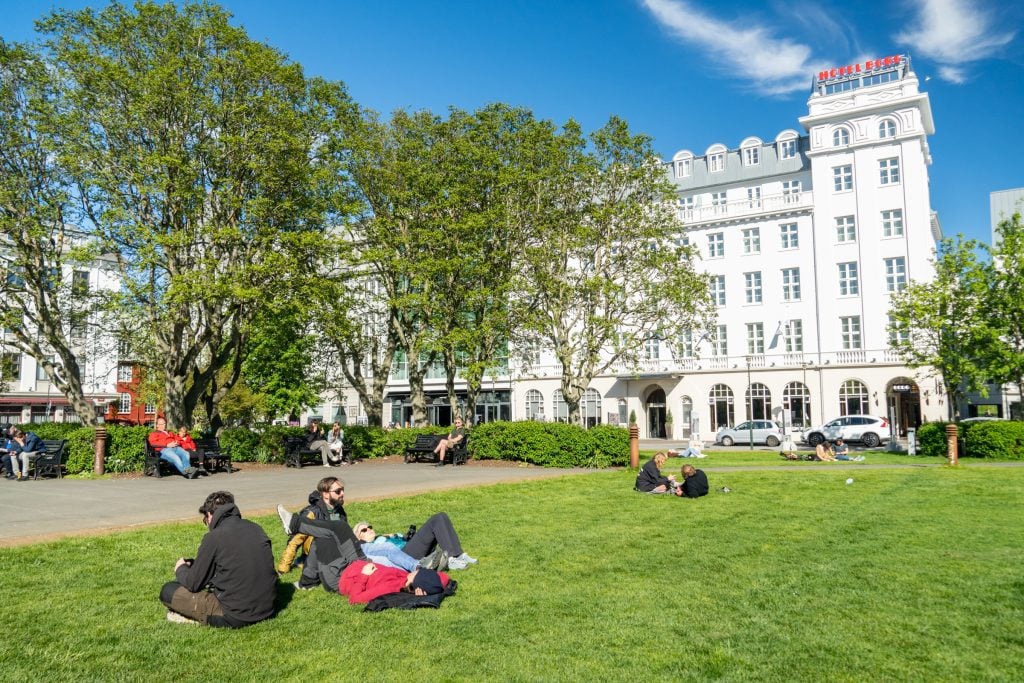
904,405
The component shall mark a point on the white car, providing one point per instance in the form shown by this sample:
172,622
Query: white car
763,431
867,429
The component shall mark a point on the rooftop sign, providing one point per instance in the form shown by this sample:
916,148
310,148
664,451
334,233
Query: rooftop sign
865,67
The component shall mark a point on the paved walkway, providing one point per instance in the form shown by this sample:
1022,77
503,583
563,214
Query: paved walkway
54,508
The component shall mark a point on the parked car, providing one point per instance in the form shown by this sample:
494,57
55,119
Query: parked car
764,431
867,429
969,420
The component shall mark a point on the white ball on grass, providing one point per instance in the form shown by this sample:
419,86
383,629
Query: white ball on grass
849,481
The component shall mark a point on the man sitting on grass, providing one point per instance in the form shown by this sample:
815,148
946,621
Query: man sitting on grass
231,582
695,483
326,503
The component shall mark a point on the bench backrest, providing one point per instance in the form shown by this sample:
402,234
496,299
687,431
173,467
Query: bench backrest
425,440
54,447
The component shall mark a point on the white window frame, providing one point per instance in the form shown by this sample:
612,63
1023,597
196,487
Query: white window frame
850,332
124,404
895,274
892,223
886,129
791,284
716,162
684,168
840,137
789,235
718,289
752,240
751,156
787,148
720,341
752,282
889,171
755,338
793,335
124,373
149,408
652,348
897,333
849,279
846,229
842,178
716,245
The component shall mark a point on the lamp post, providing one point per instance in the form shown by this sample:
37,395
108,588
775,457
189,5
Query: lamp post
805,414
750,410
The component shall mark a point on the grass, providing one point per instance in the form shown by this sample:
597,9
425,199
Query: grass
762,456
910,574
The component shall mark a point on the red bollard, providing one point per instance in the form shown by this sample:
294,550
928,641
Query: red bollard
634,446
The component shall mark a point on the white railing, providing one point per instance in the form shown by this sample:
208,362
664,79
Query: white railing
776,203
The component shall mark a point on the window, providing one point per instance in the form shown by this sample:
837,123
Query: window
686,203
889,171
755,338
787,149
534,405
720,342
841,137
846,229
842,178
752,241
853,398
797,400
791,191
590,408
124,406
793,334
686,416
754,197
892,223
789,236
718,289
684,168
150,408
887,129
753,287
124,373
885,77
652,348
850,327
561,413
716,162
759,405
718,198
10,366
723,410
751,156
895,274
791,284
716,245
686,344
848,281
898,333
80,283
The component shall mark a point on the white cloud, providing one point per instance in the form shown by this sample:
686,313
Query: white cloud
772,65
953,33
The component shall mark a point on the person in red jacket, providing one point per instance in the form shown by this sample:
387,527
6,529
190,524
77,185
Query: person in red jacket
170,449
363,581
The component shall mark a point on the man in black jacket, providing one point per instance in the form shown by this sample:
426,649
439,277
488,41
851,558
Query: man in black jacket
326,504
695,482
231,582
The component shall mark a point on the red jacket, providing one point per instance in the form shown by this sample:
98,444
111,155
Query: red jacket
361,587
186,442
158,439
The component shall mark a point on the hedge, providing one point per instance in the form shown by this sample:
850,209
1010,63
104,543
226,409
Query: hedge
549,444
994,439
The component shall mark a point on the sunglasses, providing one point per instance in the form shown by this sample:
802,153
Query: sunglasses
366,528
337,491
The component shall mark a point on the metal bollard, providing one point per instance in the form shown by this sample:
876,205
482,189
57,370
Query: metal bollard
951,450
634,446
99,460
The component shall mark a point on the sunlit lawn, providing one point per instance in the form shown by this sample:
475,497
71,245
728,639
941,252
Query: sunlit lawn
906,574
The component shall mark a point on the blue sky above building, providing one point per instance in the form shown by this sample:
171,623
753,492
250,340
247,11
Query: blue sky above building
688,73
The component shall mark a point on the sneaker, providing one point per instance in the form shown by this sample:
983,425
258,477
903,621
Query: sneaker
299,586
328,465
286,519
859,458
456,563
179,618
431,560
466,558
441,463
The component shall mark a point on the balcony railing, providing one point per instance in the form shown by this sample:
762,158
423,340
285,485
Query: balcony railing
738,208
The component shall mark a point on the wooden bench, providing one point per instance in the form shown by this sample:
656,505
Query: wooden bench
52,460
296,454
154,466
214,458
423,449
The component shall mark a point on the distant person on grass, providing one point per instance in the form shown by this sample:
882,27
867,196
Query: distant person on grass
170,450
842,452
694,485
231,582
326,503
650,480
435,545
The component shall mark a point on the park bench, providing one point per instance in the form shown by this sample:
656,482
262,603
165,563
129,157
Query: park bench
423,450
52,460
296,454
214,458
153,466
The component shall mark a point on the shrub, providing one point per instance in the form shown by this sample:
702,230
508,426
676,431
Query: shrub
51,430
81,449
931,439
997,440
550,444
126,448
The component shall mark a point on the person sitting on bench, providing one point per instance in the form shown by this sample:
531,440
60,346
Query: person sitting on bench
454,439
169,448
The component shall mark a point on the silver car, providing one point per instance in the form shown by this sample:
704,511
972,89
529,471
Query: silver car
763,431
867,429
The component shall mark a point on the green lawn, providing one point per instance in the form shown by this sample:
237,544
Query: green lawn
907,574
762,456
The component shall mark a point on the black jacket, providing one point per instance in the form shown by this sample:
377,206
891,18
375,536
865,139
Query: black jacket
696,486
320,511
649,478
236,561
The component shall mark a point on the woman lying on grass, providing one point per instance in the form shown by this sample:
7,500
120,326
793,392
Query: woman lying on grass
363,581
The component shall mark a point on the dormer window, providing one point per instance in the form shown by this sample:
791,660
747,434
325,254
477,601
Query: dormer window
716,162
886,129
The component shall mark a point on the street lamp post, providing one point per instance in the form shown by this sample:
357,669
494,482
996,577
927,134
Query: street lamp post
805,414
750,410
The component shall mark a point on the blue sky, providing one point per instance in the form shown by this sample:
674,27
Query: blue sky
687,72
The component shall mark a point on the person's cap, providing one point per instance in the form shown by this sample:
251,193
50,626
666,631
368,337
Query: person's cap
361,526
429,580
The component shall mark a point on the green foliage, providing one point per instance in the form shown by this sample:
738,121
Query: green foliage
81,450
931,439
50,430
997,440
126,448
550,444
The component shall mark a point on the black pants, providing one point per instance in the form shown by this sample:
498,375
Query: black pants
334,547
436,531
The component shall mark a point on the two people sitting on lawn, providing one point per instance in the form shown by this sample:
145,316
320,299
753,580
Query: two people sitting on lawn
326,503
694,484
650,479
231,582
26,446
823,452
172,448
315,442
454,438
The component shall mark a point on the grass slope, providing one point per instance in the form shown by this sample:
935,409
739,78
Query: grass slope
794,575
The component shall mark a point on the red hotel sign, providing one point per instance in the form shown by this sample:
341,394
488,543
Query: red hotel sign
850,69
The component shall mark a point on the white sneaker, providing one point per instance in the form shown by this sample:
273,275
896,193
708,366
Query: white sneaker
457,563
179,618
467,559
286,519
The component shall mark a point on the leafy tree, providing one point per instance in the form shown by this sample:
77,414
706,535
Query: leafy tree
942,326
598,270
1005,301
195,154
51,314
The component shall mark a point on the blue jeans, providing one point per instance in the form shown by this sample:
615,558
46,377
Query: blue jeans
176,456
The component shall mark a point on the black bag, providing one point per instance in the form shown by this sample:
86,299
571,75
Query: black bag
409,600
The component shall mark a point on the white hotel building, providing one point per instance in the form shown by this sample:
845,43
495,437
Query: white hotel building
805,236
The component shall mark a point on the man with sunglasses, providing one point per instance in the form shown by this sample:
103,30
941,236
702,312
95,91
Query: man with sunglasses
326,504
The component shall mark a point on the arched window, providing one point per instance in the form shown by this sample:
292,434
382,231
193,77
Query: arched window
590,408
841,137
534,405
759,402
686,417
797,400
723,412
853,398
561,412
887,129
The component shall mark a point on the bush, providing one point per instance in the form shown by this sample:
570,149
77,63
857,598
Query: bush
996,440
931,439
81,449
550,444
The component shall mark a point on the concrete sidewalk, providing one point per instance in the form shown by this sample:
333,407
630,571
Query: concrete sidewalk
53,508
